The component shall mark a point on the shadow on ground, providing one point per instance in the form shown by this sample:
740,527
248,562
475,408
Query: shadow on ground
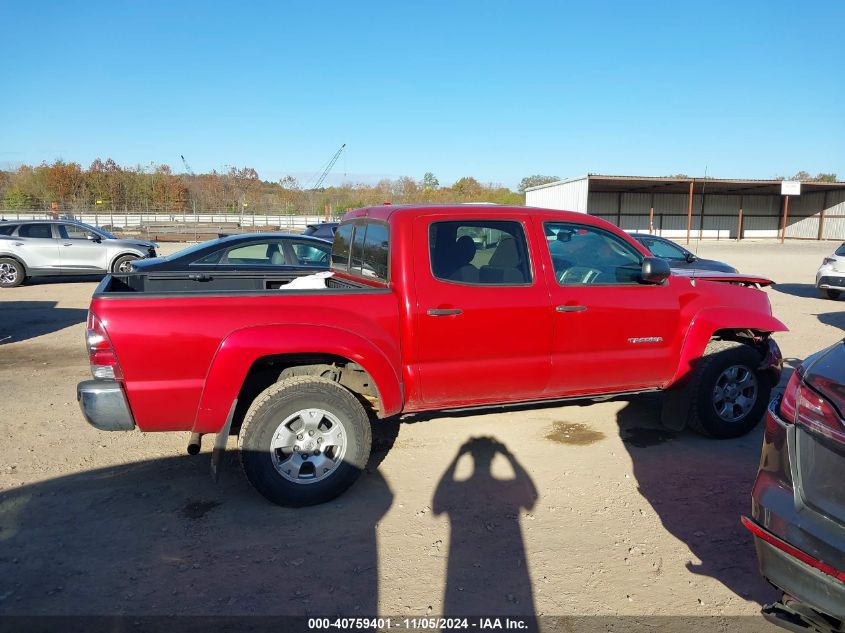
63,279
23,320
798,290
836,319
158,537
699,488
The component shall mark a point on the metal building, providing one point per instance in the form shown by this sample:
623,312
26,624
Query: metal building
712,208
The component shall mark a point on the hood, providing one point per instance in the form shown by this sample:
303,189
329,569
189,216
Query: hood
715,275
145,244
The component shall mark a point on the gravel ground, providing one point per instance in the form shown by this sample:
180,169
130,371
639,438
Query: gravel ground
584,509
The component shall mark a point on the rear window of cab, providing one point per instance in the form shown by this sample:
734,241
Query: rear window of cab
361,249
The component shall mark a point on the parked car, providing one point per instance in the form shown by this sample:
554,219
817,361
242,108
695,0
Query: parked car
830,278
39,248
242,253
326,230
417,318
798,500
678,256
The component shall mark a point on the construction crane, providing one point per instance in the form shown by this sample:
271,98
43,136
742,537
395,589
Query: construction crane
187,166
328,168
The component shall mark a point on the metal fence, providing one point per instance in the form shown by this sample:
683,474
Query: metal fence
123,220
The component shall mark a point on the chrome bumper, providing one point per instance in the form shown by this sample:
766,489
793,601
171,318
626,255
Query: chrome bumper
104,405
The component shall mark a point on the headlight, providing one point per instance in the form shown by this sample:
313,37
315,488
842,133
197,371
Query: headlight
828,260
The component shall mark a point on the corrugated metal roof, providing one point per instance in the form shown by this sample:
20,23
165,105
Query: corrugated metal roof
668,184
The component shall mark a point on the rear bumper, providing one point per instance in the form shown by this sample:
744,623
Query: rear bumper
831,282
814,588
104,405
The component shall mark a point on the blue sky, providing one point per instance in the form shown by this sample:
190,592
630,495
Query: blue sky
494,90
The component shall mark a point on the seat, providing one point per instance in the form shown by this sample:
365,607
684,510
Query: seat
463,252
274,253
505,265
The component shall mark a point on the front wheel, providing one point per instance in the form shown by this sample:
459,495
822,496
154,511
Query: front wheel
832,294
729,392
304,441
123,264
11,273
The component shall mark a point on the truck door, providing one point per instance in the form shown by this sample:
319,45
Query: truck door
611,332
483,325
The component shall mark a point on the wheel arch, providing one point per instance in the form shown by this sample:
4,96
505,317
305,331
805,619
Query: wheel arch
270,349
17,259
745,326
122,254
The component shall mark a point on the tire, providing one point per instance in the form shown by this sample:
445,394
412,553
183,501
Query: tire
122,262
833,295
11,273
728,392
289,467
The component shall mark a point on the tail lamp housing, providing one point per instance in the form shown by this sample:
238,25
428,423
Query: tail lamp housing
801,405
101,354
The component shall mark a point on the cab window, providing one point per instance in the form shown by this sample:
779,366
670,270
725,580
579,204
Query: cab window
362,248
479,252
585,255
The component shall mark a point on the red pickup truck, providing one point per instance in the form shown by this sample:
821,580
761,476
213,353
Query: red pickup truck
429,308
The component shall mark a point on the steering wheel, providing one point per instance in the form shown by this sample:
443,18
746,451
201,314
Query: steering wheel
581,275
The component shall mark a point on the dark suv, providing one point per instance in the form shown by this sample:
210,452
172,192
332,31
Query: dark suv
798,501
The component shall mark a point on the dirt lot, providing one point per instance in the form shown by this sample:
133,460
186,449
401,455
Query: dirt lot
596,512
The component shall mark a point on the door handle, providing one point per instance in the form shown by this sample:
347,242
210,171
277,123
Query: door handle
570,308
199,277
67,244
444,311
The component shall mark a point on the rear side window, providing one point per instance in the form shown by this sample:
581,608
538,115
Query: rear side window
36,230
7,229
479,252
341,247
362,249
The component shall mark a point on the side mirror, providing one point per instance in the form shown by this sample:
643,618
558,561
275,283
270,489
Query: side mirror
654,270
690,258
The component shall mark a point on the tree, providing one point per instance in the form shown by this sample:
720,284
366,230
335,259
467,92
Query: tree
468,188
825,177
535,181
430,182
802,175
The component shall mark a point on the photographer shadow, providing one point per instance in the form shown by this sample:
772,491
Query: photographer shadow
487,572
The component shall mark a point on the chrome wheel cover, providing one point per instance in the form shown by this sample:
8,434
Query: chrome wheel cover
308,446
735,393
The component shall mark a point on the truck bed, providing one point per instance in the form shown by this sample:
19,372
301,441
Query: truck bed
215,283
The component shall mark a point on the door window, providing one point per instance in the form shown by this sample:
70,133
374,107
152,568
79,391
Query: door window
311,254
7,229
479,252
666,250
584,255
264,253
73,232
43,231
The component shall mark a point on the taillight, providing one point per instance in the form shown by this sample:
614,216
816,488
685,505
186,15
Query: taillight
100,350
803,406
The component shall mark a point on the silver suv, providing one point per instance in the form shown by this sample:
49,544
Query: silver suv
40,248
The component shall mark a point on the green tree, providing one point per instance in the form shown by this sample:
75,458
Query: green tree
430,181
535,181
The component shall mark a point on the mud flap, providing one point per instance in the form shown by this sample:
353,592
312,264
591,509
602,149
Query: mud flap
220,444
676,408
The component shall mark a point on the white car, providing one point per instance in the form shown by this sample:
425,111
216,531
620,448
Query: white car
830,280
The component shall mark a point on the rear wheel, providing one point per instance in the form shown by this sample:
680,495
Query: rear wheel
729,393
123,264
11,273
304,441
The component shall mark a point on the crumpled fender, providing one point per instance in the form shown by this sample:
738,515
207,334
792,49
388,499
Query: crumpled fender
710,320
240,349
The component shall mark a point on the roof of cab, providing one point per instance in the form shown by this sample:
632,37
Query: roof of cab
386,211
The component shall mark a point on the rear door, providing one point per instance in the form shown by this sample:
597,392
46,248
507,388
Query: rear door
81,249
611,332
38,248
483,325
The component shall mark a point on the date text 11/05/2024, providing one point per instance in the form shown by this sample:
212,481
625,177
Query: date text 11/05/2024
424,623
